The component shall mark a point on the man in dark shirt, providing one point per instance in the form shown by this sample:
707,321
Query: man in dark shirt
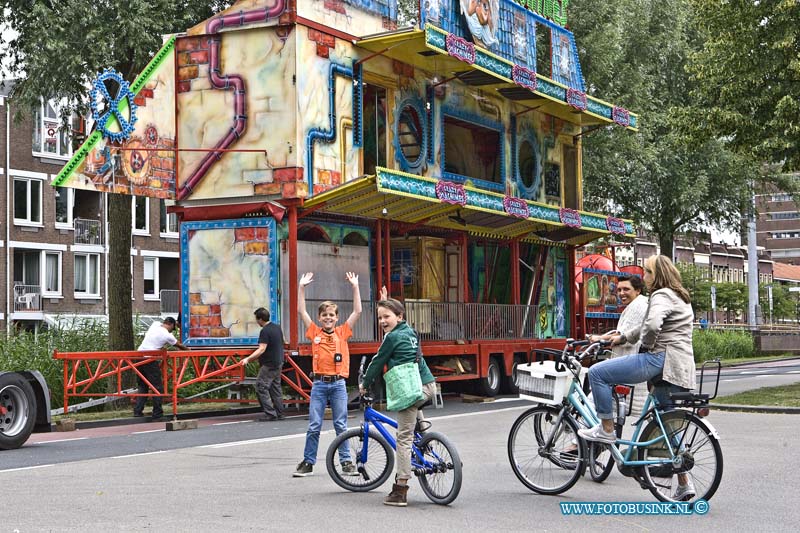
270,357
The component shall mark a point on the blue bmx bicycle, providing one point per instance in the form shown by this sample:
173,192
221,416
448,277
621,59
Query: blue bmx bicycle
670,448
434,459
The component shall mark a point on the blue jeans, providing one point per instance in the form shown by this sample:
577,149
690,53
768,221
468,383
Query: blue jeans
321,394
620,371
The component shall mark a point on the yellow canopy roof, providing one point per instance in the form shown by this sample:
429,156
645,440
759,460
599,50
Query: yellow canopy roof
427,50
414,200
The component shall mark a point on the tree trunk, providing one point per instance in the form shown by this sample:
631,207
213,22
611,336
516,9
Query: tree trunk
120,308
665,242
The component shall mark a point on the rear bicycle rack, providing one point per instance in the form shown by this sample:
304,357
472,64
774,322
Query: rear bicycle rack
700,399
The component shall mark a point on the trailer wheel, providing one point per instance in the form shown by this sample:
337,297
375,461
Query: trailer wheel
510,385
490,385
17,411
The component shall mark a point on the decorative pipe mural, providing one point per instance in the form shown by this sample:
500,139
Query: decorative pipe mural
232,81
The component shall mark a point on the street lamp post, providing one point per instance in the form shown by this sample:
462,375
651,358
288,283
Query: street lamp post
752,266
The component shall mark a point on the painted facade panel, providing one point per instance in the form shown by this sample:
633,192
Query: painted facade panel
511,31
325,91
228,269
354,17
145,164
241,102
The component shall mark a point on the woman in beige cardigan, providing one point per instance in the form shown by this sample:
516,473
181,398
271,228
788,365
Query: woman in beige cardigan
666,349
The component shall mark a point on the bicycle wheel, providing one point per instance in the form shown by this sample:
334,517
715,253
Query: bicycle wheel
698,450
546,468
373,472
601,460
440,478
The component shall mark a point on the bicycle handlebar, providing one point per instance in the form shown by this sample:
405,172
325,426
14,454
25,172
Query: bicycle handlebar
361,370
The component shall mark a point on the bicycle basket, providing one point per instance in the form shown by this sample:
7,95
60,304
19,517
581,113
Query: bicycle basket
542,383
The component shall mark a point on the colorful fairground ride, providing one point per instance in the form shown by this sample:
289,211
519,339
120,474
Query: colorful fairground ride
442,160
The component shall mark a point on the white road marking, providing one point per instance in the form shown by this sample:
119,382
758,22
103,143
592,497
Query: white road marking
753,372
139,454
234,422
257,441
26,468
62,440
148,431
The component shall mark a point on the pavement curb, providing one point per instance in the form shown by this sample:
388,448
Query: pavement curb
756,408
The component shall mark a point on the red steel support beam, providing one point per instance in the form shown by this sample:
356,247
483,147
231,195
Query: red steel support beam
379,255
571,291
292,252
515,281
387,257
465,266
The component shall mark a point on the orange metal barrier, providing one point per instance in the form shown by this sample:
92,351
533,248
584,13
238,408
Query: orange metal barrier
179,369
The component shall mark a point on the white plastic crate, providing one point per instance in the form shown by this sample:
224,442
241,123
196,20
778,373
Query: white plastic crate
542,383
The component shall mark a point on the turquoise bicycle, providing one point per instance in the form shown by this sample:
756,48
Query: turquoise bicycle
668,448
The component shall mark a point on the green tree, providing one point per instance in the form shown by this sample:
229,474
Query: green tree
746,76
784,303
696,281
732,300
407,11
55,49
635,53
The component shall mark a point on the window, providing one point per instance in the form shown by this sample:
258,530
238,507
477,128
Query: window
51,284
374,128
781,198
27,267
151,278
473,151
169,221
65,202
544,57
141,215
27,201
49,137
788,215
87,275
40,269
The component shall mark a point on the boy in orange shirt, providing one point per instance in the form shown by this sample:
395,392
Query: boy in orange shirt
330,366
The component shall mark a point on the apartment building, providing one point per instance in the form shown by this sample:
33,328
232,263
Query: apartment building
778,226
54,245
724,263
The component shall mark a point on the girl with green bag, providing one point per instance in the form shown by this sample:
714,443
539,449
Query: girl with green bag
409,385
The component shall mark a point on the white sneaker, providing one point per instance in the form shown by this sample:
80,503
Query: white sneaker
684,493
597,434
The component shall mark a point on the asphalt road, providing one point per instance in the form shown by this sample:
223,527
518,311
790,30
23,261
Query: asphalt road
237,477
756,375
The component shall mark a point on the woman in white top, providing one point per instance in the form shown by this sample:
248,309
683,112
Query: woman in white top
630,294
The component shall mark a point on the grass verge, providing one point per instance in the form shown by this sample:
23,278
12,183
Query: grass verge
782,396
748,360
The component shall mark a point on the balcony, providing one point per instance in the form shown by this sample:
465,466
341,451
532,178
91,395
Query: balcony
27,298
88,231
170,301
